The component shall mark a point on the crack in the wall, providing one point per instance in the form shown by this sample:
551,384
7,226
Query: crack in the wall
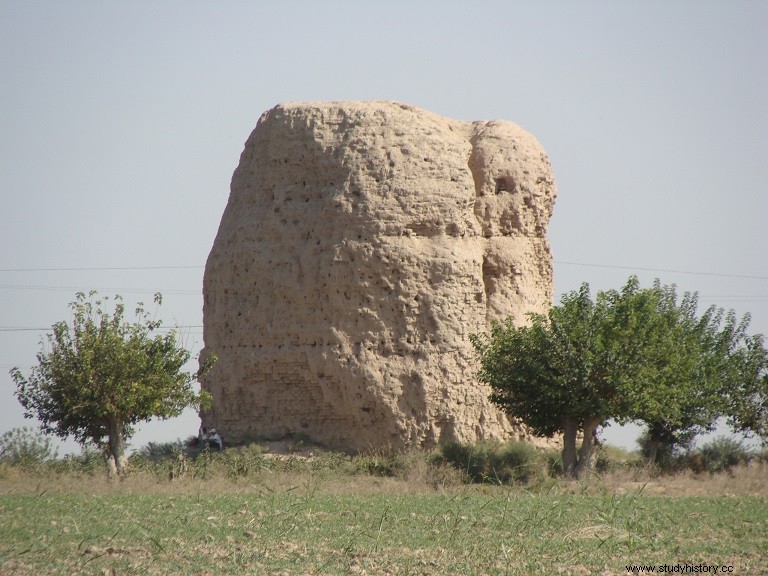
474,168
490,274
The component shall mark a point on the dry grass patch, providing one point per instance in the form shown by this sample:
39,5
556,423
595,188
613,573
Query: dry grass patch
749,480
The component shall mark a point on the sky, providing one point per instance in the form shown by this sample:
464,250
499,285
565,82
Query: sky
121,125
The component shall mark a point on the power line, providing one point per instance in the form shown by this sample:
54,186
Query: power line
662,270
97,268
81,289
564,262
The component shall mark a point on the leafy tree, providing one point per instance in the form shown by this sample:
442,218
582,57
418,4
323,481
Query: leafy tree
747,387
633,354
556,375
675,389
100,375
698,369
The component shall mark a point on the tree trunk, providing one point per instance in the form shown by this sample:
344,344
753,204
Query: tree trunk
115,453
588,445
653,451
570,430
110,464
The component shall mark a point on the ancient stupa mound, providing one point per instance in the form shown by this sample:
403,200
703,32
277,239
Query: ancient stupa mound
362,243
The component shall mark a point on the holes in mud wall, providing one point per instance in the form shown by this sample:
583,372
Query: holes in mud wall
490,274
504,184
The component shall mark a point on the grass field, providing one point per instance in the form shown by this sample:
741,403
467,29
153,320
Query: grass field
331,523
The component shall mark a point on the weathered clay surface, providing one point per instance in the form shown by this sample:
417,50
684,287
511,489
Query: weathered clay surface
362,243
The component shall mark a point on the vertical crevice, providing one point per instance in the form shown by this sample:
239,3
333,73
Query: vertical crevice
490,273
477,168
474,165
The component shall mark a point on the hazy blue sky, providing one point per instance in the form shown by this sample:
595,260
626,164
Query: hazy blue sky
121,125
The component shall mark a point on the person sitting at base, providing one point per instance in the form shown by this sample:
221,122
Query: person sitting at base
214,440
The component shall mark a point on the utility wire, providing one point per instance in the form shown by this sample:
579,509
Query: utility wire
93,268
661,270
81,289
564,262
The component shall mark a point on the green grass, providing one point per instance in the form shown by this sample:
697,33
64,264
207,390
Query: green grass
307,528
245,512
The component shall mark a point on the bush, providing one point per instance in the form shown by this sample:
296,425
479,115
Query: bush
612,458
179,459
723,454
553,459
243,461
331,461
670,456
491,462
89,461
382,462
26,447
154,451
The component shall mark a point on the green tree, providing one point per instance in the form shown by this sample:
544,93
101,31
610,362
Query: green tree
556,374
99,375
747,387
634,354
674,388
697,369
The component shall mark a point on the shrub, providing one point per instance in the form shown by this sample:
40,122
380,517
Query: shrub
380,462
155,451
670,457
89,461
26,447
612,458
489,461
553,462
243,461
723,454
331,461
436,476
